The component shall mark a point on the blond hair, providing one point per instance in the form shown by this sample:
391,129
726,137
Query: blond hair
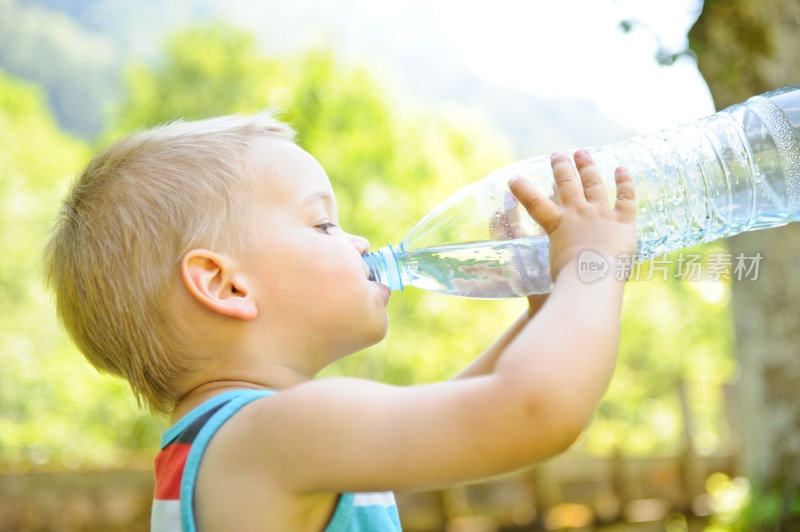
117,243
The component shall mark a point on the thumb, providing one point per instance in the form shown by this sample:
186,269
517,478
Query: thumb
541,208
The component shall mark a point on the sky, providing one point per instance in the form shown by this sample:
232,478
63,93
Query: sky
548,48
575,48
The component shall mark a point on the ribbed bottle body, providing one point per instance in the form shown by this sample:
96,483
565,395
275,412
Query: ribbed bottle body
735,171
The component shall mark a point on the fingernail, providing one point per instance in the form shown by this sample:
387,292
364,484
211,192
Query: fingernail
581,153
621,170
513,180
555,154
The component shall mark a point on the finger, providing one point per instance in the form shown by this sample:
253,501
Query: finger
593,187
541,209
568,184
626,194
514,216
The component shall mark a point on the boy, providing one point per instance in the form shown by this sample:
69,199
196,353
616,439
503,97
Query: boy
203,262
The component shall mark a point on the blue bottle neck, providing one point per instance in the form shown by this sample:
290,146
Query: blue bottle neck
384,266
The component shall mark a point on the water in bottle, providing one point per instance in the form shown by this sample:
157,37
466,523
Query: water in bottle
737,170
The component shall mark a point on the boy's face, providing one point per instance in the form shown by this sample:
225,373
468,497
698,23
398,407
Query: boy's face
308,272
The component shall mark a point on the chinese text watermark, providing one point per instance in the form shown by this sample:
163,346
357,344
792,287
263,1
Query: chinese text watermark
720,266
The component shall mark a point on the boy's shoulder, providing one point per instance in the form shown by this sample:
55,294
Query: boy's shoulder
226,451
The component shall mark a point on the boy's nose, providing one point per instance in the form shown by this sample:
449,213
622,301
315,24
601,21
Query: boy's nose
360,243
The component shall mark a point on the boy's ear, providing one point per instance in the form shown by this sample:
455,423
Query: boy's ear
214,283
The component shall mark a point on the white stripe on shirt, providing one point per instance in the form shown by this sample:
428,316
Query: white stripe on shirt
385,499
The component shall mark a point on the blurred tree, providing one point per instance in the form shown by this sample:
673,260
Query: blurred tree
203,71
746,48
77,69
674,361
54,409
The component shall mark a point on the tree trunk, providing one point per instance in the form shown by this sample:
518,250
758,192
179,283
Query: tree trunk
747,47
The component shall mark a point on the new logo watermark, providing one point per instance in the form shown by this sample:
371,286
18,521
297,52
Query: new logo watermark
592,266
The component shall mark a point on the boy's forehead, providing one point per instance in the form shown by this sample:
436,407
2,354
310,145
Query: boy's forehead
285,171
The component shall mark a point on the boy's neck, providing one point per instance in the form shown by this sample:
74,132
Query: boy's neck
269,377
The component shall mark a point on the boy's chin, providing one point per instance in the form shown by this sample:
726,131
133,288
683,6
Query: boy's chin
377,335
380,334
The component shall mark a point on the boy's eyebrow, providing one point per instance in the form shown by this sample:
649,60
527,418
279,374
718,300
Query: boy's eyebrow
318,195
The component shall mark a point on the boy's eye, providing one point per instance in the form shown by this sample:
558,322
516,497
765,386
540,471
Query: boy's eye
325,227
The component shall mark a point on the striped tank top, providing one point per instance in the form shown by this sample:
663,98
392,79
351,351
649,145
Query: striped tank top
182,447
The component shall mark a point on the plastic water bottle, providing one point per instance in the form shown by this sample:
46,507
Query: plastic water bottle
734,171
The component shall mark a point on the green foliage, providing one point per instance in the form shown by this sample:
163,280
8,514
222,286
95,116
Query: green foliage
205,71
738,506
674,361
768,509
54,409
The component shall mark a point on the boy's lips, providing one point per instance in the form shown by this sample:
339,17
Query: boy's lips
385,289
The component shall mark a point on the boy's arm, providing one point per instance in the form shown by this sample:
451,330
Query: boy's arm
485,362
334,435
355,435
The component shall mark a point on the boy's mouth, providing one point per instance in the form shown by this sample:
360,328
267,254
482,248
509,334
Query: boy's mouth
385,289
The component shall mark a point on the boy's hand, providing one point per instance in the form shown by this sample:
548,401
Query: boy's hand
584,220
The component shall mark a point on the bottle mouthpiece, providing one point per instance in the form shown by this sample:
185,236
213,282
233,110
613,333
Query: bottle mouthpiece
384,268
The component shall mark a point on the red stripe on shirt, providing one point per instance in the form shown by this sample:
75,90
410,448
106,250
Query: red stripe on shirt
169,470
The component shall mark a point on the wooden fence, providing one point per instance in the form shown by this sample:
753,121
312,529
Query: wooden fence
570,492
573,492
